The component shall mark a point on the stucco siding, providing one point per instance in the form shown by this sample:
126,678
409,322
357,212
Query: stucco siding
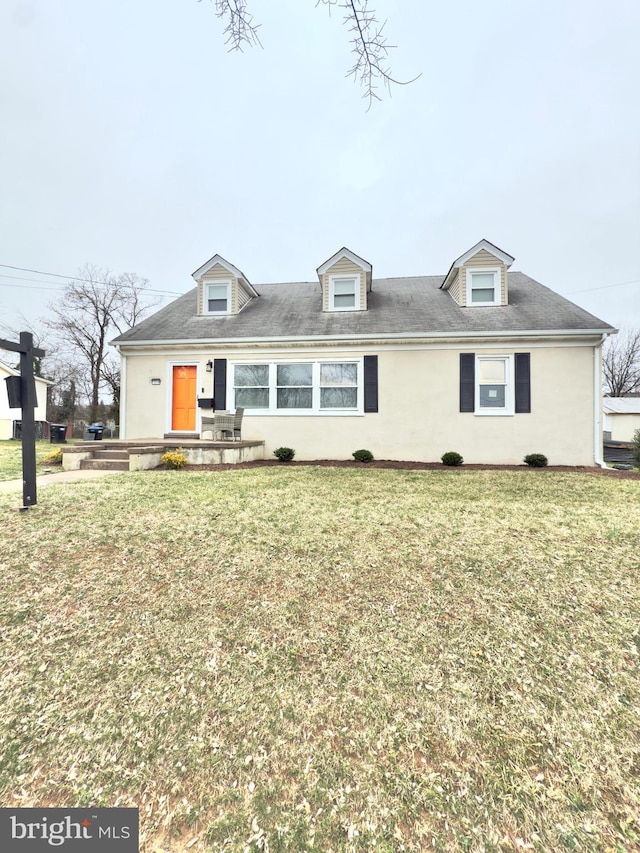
418,417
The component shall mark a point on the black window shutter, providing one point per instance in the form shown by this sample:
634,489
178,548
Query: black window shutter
467,381
523,382
220,383
371,383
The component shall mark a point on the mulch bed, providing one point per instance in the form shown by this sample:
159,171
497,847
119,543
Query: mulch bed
417,466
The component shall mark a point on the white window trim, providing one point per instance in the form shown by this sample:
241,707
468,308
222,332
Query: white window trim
205,297
356,278
509,392
497,286
315,410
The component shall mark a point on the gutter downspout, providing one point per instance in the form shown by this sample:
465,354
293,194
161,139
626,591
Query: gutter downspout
597,404
123,394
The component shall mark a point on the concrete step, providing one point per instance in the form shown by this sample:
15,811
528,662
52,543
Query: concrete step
105,464
110,454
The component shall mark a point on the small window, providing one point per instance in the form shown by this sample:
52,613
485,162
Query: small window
483,287
344,294
216,298
494,385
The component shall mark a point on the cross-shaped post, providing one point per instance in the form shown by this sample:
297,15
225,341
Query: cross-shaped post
28,405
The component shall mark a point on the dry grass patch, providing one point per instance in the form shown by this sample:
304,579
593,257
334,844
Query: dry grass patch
11,457
329,660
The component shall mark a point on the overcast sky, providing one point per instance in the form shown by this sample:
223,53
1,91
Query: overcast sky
131,139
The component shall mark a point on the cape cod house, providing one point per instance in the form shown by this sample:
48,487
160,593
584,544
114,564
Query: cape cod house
482,360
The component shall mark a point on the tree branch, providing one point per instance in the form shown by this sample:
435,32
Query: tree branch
369,43
621,363
240,29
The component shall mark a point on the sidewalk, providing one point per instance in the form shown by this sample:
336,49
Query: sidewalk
56,478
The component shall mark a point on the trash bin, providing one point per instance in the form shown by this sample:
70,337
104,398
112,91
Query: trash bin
58,433
94,431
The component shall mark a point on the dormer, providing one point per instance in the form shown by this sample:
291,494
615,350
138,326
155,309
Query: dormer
345,279
479,277
222,288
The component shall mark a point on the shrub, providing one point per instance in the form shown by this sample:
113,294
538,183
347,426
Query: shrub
536,460
53,458
174,459
635,448
451,458
362,455
284,454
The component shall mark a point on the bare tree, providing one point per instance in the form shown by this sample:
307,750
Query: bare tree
621,363
94,306
368,40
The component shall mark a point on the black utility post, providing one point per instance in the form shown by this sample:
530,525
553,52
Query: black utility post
27,397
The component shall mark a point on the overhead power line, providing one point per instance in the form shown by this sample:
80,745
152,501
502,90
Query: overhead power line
604,286
70,278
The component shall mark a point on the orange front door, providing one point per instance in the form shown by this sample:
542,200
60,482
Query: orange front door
183,407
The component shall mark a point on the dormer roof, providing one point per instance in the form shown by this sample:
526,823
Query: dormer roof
351,256
234,271
485,245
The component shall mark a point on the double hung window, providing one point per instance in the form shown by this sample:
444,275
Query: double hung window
483,287
344,293
339,386
294,386
217,298
494,385
251,386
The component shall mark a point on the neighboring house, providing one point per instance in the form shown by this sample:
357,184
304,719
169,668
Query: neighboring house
621,417
9,416
483,361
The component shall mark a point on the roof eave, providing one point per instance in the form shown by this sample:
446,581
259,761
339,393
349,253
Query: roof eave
390,336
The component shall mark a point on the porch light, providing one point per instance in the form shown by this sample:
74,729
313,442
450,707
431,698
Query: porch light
209,366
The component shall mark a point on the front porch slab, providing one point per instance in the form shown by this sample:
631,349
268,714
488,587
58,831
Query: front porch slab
145,454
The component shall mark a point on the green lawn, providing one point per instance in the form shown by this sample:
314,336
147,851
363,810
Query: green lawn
11,457
315,659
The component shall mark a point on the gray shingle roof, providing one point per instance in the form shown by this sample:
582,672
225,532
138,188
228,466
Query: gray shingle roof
411,306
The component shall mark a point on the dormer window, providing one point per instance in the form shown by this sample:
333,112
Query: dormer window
479,277
344,293
483,287
217,298
345,280
222,288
